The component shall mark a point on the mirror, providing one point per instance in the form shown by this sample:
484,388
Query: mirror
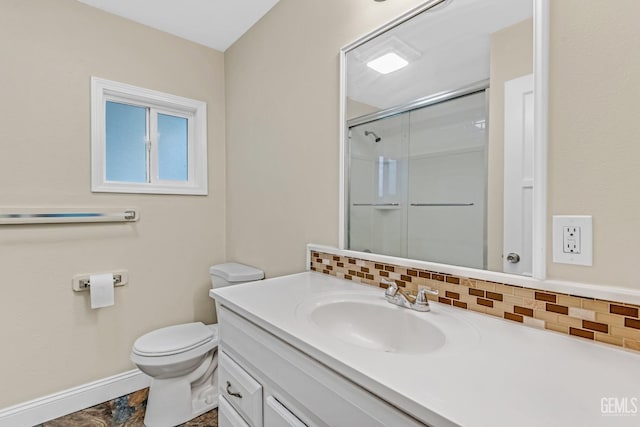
439,137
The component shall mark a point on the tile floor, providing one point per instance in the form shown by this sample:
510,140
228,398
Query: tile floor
125,411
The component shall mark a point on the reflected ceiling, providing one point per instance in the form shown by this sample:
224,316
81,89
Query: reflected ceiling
462,28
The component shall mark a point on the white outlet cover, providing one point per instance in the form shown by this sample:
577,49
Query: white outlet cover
585,222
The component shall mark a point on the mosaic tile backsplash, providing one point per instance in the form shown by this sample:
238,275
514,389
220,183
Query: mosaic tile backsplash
609,322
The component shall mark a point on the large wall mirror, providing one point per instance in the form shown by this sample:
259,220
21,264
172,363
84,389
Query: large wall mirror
440,133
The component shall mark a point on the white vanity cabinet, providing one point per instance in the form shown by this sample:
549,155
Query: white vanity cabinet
282,387
228,416
241,391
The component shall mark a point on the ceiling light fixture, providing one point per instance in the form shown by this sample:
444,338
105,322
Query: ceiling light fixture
388,63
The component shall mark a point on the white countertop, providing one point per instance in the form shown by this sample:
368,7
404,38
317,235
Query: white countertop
511,375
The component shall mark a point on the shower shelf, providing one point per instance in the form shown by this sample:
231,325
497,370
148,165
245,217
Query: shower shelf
440,204
379,206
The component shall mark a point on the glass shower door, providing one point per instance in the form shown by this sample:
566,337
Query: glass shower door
378,179
418,183
447,182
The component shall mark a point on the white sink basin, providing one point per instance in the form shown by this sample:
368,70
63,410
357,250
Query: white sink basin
368,321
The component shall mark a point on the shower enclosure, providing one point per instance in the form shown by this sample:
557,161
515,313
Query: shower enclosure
417,182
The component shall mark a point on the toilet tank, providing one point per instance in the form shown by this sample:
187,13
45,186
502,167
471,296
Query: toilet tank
232,273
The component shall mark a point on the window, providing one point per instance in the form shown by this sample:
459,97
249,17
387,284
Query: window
144,141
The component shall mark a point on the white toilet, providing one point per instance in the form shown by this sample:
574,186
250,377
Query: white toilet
182,360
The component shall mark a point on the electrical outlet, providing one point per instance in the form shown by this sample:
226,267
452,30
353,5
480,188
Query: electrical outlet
573,239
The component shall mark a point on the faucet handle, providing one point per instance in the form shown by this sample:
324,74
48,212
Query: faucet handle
422,294
421,302
392,288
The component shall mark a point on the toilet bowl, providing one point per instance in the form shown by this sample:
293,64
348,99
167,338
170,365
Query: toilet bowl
182,360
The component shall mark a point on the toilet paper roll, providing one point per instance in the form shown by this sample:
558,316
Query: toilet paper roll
101,290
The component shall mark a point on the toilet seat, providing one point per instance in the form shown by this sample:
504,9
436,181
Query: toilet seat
173,340
159,350
181,361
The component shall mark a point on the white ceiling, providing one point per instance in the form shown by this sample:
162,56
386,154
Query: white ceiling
213,23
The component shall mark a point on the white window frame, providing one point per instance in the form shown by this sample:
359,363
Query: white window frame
194,111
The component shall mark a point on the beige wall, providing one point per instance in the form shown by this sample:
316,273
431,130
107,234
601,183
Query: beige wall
51,339
511,57
282,157
282,124
354,109
594,148
282,128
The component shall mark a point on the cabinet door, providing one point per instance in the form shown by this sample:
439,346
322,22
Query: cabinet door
227,416
277,415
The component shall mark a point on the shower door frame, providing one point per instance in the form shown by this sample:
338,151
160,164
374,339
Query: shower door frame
419,103
429,100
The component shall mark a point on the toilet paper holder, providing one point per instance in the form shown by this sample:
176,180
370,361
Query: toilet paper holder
81,282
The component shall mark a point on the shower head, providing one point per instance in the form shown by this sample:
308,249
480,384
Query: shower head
376,138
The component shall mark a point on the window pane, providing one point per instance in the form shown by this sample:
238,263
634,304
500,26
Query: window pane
126,129
172,148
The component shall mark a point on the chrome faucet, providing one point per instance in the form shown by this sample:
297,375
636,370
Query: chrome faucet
397,296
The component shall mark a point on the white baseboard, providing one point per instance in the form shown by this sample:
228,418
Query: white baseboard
71,400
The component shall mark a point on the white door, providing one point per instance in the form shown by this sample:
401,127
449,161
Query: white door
518,176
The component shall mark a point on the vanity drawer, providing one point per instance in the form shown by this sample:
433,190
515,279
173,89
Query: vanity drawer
277,415
227,416
240,389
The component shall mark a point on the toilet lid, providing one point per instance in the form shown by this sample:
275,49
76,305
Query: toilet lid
173,339
234,272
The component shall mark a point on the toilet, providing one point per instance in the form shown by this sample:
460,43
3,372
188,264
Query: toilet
182,360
